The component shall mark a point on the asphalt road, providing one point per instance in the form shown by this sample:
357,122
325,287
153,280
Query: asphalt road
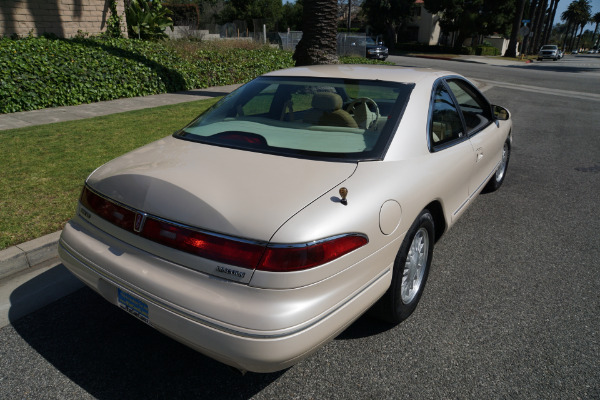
511,309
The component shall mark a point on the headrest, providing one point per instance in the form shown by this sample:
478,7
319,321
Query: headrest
327,101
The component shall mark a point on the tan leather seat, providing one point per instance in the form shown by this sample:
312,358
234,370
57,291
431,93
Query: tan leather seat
439,130
327,110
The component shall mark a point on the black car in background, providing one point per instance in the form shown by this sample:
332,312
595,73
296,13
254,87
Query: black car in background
376,50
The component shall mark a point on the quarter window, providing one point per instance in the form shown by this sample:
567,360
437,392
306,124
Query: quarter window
475,108
446,124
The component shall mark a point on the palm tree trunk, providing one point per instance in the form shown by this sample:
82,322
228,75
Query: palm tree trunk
580,35
541,13
548,32
564,46
514,34
319,34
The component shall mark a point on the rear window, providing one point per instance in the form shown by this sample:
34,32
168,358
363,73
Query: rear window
305,117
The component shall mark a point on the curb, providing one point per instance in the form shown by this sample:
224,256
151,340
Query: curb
29,254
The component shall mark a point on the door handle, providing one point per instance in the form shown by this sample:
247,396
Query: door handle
479,152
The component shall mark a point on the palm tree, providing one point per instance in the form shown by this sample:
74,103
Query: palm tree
569,15
577,15
514,34
319,33
580,14
596,19
584,11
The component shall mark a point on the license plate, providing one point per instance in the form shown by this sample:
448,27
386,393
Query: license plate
133,305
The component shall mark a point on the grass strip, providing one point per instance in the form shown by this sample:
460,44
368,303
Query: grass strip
43,167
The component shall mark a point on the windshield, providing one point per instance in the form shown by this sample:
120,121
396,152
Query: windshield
549,47
322,118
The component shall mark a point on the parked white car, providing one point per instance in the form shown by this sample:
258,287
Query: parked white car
549,51
310,195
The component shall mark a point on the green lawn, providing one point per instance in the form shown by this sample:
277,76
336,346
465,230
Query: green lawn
42,168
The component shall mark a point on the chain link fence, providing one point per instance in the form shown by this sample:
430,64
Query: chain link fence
348,44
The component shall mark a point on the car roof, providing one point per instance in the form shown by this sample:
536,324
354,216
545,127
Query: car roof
390,73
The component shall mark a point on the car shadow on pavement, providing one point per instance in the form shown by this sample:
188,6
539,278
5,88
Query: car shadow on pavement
367,325
111,355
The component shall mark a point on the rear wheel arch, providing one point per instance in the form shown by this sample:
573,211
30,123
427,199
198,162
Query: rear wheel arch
439,219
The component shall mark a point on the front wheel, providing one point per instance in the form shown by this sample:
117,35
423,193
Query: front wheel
496,181
411,269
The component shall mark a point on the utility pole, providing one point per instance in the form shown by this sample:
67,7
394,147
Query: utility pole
349,15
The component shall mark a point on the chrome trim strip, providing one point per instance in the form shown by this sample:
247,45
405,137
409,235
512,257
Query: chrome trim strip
307,244
119,283
180,225
220,235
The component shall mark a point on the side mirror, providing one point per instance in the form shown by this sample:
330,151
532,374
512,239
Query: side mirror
500,113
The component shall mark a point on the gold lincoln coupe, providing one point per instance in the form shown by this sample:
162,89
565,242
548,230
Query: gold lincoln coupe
308,196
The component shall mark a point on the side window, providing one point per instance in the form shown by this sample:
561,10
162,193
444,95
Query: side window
260,104
475,108
446,124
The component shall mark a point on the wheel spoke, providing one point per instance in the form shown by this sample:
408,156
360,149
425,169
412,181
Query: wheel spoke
414,266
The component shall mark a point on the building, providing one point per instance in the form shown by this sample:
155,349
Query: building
424,27
63,18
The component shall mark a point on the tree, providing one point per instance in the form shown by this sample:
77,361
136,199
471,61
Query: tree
596,19
550,22
319,33
569,15
251,10
584,15
292,16
511,51
538,24
388,16
577,15
472,17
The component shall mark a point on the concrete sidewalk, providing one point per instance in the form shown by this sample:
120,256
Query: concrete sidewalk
71,113
497,61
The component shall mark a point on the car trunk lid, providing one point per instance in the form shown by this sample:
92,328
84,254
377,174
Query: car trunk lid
233,192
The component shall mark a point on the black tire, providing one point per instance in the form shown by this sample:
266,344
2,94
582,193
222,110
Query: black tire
399,302
496,181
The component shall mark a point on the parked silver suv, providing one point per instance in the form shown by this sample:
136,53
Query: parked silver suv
549,51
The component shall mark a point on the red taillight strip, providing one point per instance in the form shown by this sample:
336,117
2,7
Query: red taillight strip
109,210
221,248
282,258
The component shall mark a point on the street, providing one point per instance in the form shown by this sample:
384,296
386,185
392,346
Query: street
511,308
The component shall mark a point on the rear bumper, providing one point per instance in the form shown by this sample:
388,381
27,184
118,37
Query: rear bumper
107,265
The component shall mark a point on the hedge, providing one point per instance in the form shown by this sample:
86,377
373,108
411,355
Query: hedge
49,72
44,72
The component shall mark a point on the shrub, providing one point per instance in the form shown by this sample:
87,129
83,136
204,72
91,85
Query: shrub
486,51
49,72
148,19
